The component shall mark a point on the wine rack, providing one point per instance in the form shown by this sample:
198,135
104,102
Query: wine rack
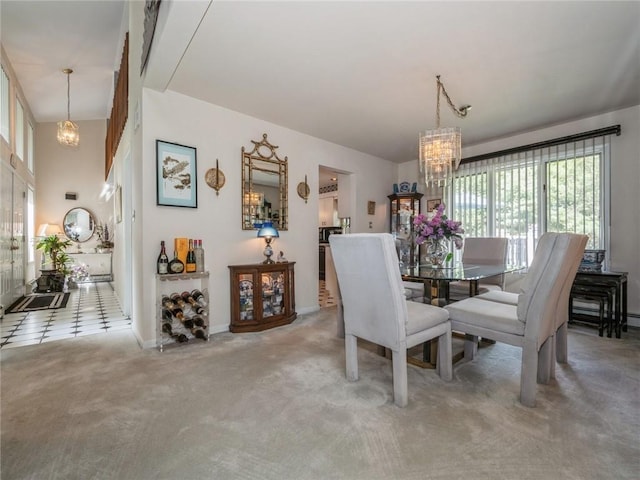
166,285
262,296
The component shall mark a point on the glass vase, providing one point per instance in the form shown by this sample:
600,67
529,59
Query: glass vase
436,252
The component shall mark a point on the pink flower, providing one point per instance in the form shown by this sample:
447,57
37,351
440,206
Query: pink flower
436,228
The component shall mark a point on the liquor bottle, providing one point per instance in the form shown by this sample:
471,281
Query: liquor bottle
195,306
163,260
198,297
191,258
178,337
176,265
176,312
199,251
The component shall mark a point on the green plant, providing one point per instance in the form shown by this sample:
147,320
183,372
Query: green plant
54,246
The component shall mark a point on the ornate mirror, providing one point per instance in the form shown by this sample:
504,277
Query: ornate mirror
79,225
264,187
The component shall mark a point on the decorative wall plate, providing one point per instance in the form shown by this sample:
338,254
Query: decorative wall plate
304,190
215,179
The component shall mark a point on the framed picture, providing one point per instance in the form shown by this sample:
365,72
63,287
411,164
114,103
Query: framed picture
371,208
117,204
176,175
433,204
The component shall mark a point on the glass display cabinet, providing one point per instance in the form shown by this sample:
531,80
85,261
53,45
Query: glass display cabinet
403,207
262,296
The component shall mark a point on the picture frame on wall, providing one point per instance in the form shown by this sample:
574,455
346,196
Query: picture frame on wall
176,172
433,204
371,207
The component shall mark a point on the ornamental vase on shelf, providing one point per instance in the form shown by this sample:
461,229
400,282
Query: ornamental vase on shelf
436,252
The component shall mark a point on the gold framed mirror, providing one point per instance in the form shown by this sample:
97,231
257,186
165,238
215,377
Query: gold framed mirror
264,187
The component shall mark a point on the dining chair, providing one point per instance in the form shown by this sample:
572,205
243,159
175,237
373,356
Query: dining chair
375,308
532,323
481,251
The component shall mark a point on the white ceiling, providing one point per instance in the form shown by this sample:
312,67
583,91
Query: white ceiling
360,74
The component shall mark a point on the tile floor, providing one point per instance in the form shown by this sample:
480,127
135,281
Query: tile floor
324,298
92,308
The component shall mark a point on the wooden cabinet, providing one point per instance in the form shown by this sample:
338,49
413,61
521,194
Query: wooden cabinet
405,206
262,296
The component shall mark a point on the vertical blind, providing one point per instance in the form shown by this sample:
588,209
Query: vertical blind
561,185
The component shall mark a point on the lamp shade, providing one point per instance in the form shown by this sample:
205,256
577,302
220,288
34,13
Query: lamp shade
268,231
47,229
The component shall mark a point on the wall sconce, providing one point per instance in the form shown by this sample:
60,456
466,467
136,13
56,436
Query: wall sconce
268,232
215,178
304,190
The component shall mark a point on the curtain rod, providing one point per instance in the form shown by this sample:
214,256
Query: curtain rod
547,143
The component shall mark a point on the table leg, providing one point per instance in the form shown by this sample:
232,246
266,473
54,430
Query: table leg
624,304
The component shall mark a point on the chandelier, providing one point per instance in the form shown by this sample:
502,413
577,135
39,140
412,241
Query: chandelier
440,149
68,132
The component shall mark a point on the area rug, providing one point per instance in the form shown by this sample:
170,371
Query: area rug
44,301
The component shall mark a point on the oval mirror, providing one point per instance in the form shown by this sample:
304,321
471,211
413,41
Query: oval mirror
264,187
79,225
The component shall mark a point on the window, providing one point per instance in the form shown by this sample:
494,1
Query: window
19,149
4,106
30,148
31,239
559,187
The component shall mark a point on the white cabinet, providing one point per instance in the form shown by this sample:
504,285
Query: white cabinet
326,210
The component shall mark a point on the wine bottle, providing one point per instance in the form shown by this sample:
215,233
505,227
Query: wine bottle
198,321
178,337
191,258
195,306
177,299
176,312
176,265
199,251
163,260
199,333
198,297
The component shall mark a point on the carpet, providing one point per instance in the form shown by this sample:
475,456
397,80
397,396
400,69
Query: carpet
29,303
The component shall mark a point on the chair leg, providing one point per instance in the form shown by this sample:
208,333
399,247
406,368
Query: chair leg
470,346
444,365
400,389
351,353
552,355
528,375
561,344
545,360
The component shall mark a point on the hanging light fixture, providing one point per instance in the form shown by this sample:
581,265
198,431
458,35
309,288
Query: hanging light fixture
440,149
68,132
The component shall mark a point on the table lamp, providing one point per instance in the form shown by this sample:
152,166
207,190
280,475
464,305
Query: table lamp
47,229
268,232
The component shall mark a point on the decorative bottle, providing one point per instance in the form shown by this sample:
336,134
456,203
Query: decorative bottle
198,297
176,265
199,251
163,260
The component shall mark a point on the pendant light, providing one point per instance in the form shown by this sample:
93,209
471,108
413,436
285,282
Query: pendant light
68,131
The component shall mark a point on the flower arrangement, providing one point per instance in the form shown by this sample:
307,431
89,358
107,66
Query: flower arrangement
104,235
437,228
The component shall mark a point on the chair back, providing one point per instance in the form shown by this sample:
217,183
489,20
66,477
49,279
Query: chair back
486,251
540,296
371,287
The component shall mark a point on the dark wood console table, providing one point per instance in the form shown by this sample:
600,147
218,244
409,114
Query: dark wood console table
603,281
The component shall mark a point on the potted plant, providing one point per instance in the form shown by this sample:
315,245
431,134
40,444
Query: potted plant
53,278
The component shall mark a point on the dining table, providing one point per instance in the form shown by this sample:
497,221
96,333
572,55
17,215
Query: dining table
436,281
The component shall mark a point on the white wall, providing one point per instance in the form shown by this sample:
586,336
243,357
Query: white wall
625,185
219,133
60,169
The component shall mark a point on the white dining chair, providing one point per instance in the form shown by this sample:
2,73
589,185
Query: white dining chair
375,308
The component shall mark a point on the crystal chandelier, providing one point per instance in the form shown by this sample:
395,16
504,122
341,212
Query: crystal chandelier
68,132
440,149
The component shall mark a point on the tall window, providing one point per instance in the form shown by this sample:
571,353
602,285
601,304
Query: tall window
30,148
19,130
559,187
4,105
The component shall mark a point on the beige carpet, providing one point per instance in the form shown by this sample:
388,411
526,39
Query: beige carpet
276,405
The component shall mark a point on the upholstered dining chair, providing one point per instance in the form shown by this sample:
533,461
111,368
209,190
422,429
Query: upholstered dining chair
481,251
375,308
532,323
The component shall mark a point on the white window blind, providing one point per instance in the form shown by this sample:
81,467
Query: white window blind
561,185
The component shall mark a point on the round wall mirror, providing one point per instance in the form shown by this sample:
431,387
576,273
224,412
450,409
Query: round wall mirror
79,225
